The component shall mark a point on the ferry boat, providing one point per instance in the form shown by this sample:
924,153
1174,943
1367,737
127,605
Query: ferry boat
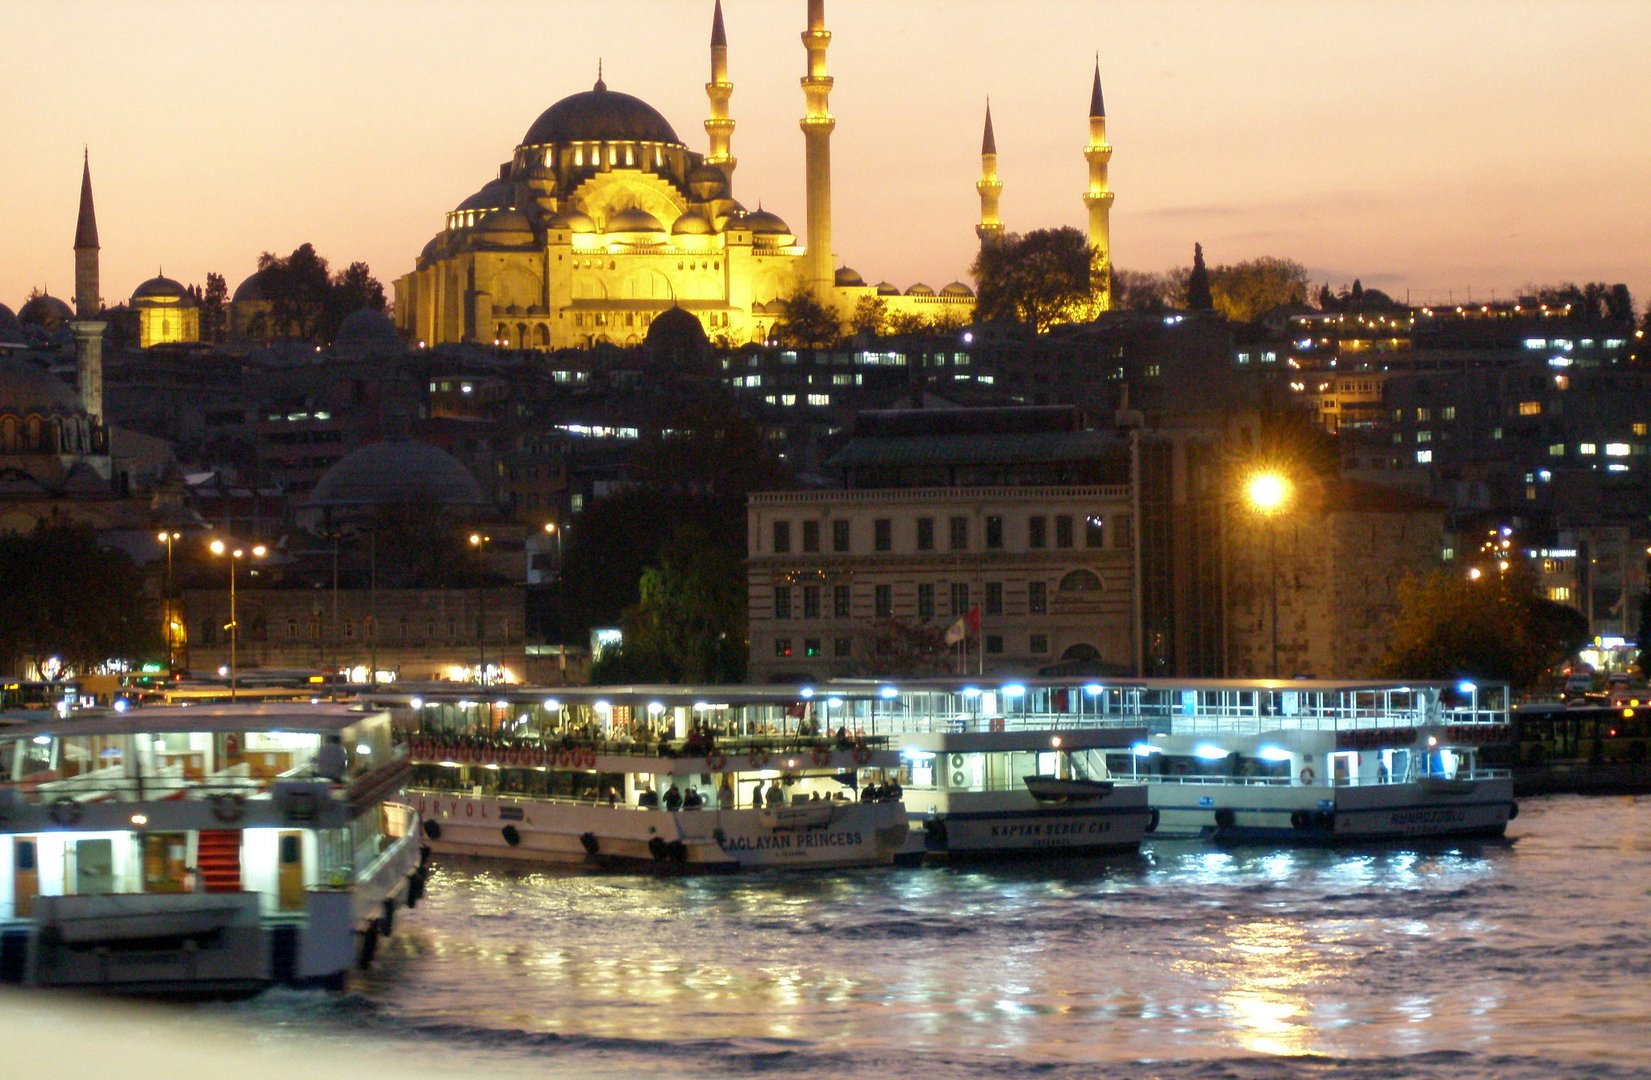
655,777
983,778
1317,761
210,850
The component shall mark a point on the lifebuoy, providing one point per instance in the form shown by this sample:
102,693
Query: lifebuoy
590,759
67,811
1307,775
758,758
227,806
822,755
862,754
715,761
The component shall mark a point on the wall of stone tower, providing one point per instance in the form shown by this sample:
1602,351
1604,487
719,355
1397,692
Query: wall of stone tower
1098,199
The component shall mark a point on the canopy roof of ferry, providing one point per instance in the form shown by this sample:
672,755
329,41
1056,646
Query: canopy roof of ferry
324,718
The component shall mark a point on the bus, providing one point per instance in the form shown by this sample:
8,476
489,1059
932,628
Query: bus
1593,733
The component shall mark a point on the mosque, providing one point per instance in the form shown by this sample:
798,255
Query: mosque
603,219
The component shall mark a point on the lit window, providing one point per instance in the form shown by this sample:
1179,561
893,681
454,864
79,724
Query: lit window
1424,436
1448,412
1616,449
1530,408
1423,457
1587,448
1556,449
1560,594
1639,429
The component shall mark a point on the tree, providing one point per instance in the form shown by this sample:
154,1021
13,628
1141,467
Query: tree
1245,291
348,292
689,623
895,648
1494,628
1039,279
807,323
214,308
68,597
1139,290
871,316
308,302
1198,283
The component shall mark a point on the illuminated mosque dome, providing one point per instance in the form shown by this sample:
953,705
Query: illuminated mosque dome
161,289
847,277
600,115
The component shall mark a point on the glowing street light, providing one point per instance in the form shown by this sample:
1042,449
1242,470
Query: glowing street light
168,615
479,542
1269,492
234,555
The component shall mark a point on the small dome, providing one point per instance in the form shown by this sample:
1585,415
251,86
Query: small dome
367,330
958,289
496,195
427,254
8,317
575,221
26,388
600,115
45,311
506,227
885,288
691,224
707,182
676,335
161,290
920,289
849,278
634,220
397,471
765,223
251,289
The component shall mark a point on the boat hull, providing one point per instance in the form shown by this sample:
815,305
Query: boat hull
809,836
1307,814
1014,824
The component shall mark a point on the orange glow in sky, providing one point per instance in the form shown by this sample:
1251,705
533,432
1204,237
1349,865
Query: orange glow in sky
1428,149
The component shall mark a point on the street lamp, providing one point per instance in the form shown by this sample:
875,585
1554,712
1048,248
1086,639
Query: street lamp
167,616
233,555
561,602
479,541
1269,492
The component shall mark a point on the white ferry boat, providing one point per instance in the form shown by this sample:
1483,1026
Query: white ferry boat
1315,761
986,776
212,850
657,778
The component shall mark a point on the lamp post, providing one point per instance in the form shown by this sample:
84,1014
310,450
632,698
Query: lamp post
479,541
1268,493
233,555
561,602
167,537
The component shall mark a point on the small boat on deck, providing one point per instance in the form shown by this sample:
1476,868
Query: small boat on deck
1060,789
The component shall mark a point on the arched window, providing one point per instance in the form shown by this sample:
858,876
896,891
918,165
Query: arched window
1081,651
1080,581
292,629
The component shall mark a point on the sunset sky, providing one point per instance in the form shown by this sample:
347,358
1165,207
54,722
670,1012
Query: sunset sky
1430,149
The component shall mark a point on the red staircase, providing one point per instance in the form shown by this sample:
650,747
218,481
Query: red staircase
218,860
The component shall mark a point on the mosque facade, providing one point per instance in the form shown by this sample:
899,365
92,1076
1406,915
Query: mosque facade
603,219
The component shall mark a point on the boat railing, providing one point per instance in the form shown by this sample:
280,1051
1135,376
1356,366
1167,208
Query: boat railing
551,751
1206,780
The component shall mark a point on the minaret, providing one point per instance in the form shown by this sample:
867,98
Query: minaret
990,227
88,328
719,128
1099,196
817,125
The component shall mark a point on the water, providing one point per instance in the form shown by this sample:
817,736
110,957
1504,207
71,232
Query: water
1524,959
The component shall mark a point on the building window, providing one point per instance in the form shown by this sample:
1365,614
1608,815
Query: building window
882,534
292,629
1424,457
782,646
994,598
925,601
1038,644
1530,408
1080,581
1037,531
782,537
811,536
839,535
811,646
842,646
925,534
1556,449
1037,597
840,601
1094,531
782,602
1587,448
882,601
994,643
1560,594
811,601
960,598
1063,531
960,533
994,532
